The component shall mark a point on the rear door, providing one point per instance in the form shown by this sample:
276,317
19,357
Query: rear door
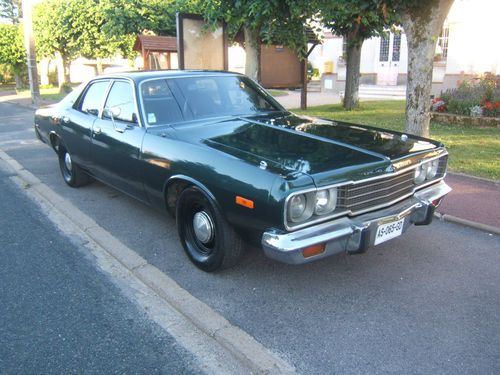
117,139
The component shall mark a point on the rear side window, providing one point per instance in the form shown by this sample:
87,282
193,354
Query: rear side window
92,101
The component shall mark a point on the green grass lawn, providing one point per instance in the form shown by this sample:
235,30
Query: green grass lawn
277,92
51,93
475,151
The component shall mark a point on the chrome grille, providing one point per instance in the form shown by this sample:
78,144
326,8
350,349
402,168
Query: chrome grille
365,195
374,193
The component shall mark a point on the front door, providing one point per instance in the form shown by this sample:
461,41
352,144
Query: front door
116,141
389,54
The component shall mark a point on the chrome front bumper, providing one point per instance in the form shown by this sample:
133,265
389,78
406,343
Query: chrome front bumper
353,235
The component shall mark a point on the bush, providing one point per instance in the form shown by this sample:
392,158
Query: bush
65,88
6,75
480,98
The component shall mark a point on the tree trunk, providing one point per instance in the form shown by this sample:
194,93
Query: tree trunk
19,81
351,96
252,50
99,66
65,66
422,24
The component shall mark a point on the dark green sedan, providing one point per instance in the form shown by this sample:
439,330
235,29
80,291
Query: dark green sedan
233,166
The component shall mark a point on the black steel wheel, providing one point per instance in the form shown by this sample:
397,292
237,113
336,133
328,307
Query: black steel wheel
72,174
209,241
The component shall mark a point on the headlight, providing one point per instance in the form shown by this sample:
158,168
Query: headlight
301,207
326,201
432,169
420,173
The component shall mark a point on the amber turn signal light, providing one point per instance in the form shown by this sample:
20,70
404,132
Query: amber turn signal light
313,250
244,202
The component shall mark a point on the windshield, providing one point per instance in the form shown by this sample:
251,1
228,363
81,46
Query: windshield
191,98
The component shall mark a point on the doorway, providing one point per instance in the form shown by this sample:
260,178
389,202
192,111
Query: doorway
389,55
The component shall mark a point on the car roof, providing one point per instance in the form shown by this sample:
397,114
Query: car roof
142,75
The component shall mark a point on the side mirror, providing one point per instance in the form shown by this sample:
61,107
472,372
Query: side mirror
112,112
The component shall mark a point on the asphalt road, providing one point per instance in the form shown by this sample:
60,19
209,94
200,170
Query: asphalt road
427,302
60,315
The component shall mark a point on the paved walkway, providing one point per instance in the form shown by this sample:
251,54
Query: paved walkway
472,199
366,92
25,101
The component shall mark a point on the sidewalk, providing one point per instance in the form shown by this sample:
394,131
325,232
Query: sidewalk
474,202
472,199
12,97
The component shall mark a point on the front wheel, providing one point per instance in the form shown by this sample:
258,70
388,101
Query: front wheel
72,174
209,241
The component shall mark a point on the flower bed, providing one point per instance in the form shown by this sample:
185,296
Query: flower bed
477,99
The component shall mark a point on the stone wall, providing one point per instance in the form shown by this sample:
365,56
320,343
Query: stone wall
452,119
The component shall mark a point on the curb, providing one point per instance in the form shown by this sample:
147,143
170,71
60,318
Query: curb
482,179
243,347
467,223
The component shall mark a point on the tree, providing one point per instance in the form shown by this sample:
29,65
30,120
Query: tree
11,9
55,34
356,21
422,21
12,52
74,28
124,19
92,41
263,21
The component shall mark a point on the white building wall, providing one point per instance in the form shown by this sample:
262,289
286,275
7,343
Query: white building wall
474,31
369,56
473,47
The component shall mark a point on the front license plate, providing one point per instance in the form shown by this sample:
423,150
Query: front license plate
388,231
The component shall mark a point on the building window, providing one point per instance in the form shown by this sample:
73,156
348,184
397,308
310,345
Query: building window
396,47
442,43
384,48
344,49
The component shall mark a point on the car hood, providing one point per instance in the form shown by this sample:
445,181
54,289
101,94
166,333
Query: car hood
328,151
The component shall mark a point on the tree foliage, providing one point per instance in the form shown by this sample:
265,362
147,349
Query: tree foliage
280,22
54,28
125,19
12,52
11,10
74,28
358,19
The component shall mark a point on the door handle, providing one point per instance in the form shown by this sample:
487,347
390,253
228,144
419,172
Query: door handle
97,130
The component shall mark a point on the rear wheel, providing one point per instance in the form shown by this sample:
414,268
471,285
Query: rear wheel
208,239
72,174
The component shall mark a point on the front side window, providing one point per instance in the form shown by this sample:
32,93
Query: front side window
120,103
92,101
